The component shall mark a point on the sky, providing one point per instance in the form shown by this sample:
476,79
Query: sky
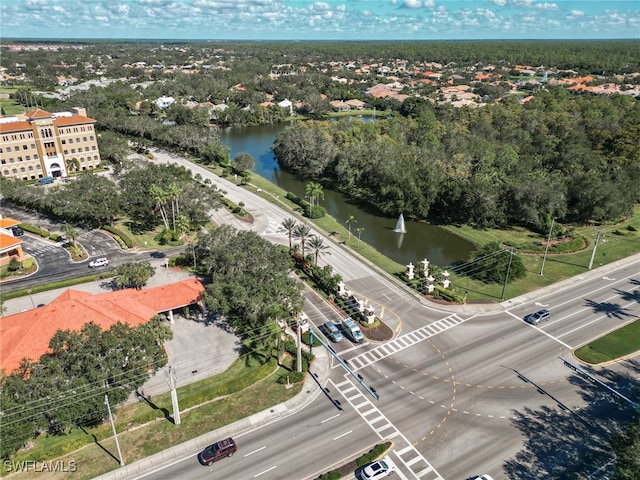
320,20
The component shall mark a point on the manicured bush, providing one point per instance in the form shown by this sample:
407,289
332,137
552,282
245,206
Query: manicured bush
56,237
291,377
332,475
369,457
35,230
126,240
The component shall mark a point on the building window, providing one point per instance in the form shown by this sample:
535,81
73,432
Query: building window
84,139
66,152
24,147
30,167
71,140
4,162
73,150
11,160
22,169
35,156
8,149
28,157
6,172
14,170
38,167
19,159
64,142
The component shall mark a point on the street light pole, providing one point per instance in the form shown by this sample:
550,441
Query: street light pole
546,249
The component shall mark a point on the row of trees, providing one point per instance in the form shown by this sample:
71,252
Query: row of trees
149,194
499,165
65,388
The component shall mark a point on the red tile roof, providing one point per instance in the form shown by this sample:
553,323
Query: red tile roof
19,126
73,120
6,222
27,334
39,113
7,241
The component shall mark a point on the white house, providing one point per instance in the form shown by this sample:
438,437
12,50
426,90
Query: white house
286,104
165,102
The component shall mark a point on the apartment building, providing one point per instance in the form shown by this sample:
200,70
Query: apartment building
40,144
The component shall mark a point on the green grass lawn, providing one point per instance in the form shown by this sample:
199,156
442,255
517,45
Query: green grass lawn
143,429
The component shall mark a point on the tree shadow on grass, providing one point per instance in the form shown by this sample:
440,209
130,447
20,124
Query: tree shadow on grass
147,399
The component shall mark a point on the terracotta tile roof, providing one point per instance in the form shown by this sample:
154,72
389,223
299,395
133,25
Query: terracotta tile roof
73,120
27,334
39,113
18,126
7,241
7,222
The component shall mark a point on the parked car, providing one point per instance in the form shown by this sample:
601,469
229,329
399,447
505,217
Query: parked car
218,450
351,328
537,317
378,469
44,181
17,231
99,262
331,331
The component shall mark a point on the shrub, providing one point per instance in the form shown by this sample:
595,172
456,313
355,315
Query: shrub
291,377
35,230
14,265
374,453
126,240
631,228
55,237
332,475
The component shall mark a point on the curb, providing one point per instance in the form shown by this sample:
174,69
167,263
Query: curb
147,466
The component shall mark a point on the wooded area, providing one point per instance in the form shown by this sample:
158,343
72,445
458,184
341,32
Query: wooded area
558,155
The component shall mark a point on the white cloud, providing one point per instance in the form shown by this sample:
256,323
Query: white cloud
577,13
412,4
547,6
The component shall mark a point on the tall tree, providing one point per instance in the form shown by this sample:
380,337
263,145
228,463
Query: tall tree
314,191
351,221
302,232
289,224
317,246
133,275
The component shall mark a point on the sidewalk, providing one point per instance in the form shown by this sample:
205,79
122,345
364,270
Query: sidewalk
310,391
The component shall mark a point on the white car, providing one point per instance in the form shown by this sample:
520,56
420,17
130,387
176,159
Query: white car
378,469
99,262
483,477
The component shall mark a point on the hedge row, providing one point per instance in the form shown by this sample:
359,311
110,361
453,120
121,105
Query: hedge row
119,234
35,230
310,211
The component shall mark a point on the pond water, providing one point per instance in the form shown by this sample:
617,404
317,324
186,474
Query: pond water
420,241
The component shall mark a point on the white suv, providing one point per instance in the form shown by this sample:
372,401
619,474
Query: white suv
99,262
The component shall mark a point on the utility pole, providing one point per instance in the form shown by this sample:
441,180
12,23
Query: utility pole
506,279
171,381
599,234
115,435
299,352
546,249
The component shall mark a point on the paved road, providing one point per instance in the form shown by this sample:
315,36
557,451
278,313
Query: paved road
458,385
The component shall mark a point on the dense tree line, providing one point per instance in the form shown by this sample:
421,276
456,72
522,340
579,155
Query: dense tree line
141,191
574,158
66,387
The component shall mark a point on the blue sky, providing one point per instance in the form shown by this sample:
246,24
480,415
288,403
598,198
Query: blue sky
320,20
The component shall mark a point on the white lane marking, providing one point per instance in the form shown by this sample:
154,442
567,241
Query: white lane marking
343,435
265,471
330,418
255,451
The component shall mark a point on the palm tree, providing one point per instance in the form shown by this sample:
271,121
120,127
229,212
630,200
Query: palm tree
160,196
314,191
73,165
70,233
302,232
316,244
173,192
289,224
359,231
351,221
